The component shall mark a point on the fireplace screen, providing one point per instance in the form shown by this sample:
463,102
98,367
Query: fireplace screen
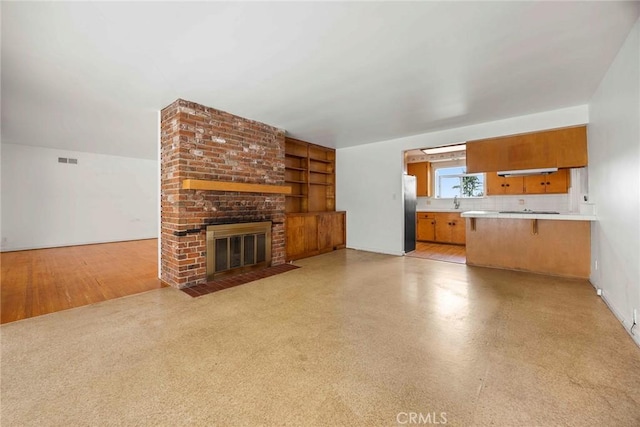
234,248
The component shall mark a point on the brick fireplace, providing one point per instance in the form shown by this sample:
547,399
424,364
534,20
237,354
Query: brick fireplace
201,143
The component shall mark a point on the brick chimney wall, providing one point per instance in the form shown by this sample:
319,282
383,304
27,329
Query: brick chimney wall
199,142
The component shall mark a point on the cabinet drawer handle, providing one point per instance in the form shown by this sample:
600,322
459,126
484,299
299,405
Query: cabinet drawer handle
548,183
542,183
508,185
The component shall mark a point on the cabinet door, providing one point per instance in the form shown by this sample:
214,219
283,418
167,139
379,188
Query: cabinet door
458,232
571,147
530,151
426,228
497,185
494,184
513,185
484,156
557,182
443,228
301,235
421,172
338,235
535,184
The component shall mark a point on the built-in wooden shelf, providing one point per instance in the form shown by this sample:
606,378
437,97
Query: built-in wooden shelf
298,156
200,184
310,170
321,160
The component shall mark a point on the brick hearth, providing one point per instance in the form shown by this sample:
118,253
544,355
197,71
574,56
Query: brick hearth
199,142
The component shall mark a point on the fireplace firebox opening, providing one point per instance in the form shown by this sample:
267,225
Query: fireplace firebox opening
236,248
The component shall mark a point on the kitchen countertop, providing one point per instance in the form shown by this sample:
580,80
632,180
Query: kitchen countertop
561,217
440,210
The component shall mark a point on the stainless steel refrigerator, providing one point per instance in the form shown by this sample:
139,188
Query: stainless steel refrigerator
410,201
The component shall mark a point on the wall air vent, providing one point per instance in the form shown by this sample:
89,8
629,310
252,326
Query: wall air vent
62,160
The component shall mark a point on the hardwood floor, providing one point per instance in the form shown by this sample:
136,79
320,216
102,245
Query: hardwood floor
440,252
44,281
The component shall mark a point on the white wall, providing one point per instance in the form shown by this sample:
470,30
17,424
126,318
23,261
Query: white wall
101,199
614,181
369,177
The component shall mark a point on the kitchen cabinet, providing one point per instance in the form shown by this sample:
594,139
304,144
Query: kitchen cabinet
558,247
450,228
498,185
441,227
422,172
426,227
309,234
561,148
553,183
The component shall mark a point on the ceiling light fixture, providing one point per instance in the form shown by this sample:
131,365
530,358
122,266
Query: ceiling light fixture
445,149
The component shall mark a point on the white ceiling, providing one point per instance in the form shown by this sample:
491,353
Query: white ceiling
92,76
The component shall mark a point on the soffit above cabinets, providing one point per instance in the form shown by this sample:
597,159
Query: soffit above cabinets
415,156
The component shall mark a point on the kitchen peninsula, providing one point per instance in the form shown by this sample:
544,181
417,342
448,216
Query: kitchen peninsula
547,243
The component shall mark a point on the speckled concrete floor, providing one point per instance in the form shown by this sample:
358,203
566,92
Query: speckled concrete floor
352,338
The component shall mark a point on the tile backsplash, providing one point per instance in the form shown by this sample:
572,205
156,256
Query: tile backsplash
550,202
575,201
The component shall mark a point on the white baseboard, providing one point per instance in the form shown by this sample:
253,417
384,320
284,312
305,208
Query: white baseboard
626,324
63,245
377,250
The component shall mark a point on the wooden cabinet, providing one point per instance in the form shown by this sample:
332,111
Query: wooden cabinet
309,234
570,146
422,172
441,227
301,235
554,183
559,248
425,227
561,148
312,225
450,228
310,171
484,156
498,185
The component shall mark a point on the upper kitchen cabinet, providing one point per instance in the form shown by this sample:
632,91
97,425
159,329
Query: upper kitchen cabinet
561,148
557,182
499,185
422,172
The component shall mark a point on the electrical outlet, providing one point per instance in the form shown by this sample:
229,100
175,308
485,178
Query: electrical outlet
521,201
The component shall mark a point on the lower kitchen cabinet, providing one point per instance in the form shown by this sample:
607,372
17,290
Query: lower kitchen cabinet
441,227
426,227
313,233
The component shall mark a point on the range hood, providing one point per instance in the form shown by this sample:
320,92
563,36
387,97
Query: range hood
526,172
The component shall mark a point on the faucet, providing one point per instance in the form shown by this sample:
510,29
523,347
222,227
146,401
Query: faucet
456,203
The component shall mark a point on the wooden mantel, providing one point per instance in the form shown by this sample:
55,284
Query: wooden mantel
201,184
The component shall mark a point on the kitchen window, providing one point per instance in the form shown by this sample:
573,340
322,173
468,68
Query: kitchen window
454,181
